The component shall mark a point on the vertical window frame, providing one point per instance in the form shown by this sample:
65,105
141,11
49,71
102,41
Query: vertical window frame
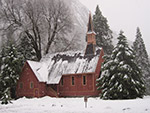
20,85
84,80
72,80
31,85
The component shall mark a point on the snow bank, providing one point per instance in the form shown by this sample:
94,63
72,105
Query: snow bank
76,105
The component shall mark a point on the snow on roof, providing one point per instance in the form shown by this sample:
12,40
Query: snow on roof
51,68
39,69
90,32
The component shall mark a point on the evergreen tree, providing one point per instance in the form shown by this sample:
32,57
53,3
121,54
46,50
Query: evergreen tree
103,33
121,78
26,49
142,59
2,52
11,67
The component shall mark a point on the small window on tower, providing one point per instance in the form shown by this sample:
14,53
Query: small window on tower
31,85
84,80
72,80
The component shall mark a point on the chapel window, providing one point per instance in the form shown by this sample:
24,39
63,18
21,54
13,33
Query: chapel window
84,80
31,85
21,85
72,80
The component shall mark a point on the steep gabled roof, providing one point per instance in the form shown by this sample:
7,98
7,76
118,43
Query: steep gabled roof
39,69
51,68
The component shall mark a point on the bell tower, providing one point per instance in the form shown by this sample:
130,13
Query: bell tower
90,38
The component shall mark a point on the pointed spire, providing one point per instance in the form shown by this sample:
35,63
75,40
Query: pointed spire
90,38
90,26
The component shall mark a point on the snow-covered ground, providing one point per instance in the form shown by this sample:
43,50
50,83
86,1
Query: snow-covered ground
76,105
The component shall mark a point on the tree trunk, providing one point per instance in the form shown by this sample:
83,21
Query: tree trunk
35,46
51,40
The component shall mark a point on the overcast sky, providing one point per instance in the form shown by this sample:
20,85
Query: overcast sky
125,15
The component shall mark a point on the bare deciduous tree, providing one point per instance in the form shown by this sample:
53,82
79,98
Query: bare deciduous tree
42,21
58,21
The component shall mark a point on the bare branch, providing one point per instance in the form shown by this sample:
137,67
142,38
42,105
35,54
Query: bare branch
43,21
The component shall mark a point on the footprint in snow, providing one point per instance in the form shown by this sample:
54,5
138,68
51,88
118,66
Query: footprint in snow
126,109
108,107
53,105
146,109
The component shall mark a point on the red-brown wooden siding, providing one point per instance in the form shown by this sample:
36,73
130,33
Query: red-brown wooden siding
27,76
78,89
42,89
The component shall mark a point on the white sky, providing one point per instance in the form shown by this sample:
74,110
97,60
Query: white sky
125,15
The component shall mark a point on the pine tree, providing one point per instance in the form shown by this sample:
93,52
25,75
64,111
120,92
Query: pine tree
2,52
103,33
26,49
121,78
142,59
11,67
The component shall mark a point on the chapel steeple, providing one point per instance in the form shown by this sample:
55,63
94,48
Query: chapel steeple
90,27
90,38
